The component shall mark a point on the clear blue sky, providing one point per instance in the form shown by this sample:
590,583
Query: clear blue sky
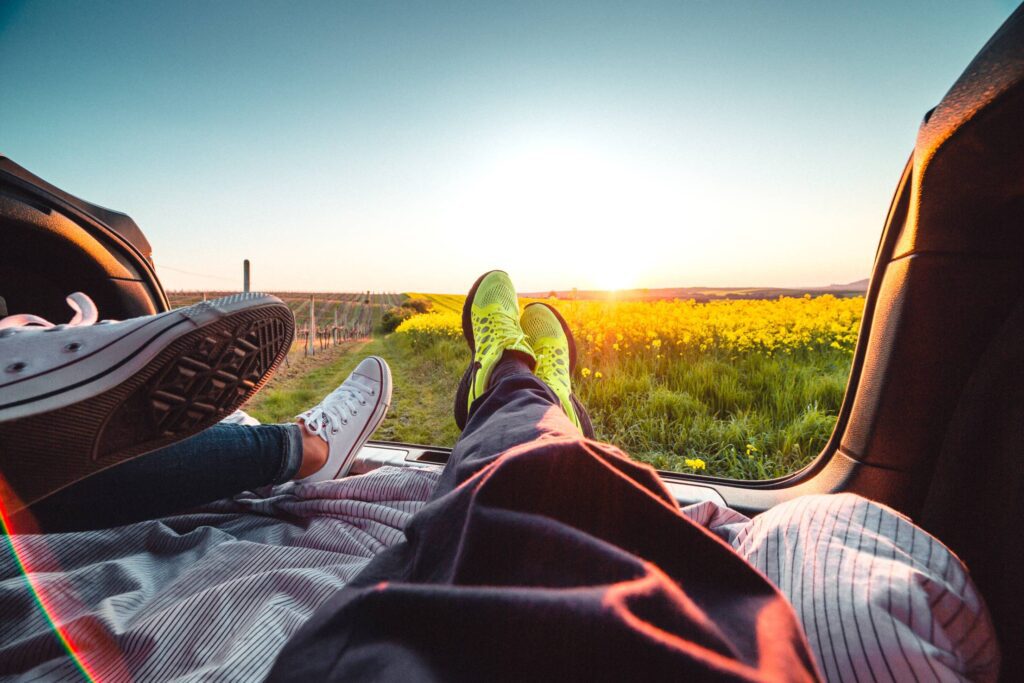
410,146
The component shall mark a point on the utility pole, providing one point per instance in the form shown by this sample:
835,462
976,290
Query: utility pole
245,275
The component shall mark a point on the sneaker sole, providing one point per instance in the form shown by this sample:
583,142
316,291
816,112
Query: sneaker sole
181,378
462,392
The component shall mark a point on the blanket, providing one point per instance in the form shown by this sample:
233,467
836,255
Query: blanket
215,593
208,595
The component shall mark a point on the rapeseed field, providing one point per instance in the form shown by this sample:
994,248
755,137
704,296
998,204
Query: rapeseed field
747,389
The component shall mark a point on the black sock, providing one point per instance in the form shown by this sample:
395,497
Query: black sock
511,363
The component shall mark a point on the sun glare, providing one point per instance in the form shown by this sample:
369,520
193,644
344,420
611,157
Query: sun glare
589,218
614,280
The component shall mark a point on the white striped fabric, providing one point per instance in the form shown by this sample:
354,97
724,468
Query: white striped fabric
214,595
879,599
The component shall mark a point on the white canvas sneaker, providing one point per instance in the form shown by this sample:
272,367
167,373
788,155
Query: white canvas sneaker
81,397
348,416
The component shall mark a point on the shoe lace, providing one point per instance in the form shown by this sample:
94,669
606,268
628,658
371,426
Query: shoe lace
332,414
85,310
546,361
506,329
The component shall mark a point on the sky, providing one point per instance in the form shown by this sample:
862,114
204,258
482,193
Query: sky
350,146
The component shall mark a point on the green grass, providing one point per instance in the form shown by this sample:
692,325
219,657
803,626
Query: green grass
421,404
746,417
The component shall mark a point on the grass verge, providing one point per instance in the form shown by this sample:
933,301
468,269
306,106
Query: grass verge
746,417
421,403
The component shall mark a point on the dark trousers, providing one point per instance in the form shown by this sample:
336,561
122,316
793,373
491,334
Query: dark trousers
545,556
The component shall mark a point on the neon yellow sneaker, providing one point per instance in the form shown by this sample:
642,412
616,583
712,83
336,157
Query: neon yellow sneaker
555,349
490,324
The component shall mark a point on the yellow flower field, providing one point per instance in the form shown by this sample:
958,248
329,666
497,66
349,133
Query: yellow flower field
747,389
605,330
444,323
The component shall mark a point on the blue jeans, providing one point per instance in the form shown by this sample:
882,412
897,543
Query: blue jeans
216,463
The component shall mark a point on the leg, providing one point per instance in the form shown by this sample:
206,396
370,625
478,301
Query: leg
84,397
223,461
216,463
547,556
517,409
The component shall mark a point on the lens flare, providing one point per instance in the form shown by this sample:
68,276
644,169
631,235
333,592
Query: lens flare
88,646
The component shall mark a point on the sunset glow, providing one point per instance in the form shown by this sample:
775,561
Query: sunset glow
404,149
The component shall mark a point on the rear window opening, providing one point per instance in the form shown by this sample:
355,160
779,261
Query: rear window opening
741,384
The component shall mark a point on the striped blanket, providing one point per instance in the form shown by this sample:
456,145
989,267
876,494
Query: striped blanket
214,594
210,595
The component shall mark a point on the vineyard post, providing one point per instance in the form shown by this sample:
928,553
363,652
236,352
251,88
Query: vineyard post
334,330
311,340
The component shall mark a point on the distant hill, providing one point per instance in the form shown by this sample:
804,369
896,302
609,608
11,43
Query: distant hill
706,293
857,286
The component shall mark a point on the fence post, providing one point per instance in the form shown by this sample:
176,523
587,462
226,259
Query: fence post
310,342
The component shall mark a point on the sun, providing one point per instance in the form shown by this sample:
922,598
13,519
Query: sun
588,219
616,282
612,277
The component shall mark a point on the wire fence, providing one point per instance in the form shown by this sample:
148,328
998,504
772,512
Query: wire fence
322,319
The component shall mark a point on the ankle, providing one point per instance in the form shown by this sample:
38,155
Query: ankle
511,363
314,453
523,358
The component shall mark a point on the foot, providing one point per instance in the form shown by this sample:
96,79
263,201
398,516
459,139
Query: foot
490,324
555,349
86,395
348,416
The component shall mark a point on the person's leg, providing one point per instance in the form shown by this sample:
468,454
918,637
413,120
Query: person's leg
517,408
518,384
79,398
216,463
223,461
548,556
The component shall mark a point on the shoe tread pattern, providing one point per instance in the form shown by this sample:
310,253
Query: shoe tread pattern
190,385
